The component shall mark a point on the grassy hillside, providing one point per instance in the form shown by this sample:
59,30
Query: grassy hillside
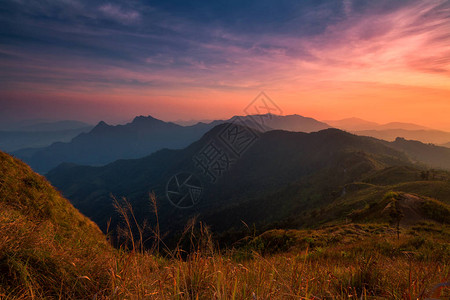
298,205
49,250
314,167
369,195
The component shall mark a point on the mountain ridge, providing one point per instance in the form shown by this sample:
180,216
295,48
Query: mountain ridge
142,136
358,124
310,161
424,136
49,250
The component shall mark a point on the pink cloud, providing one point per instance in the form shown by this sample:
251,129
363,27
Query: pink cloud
118,14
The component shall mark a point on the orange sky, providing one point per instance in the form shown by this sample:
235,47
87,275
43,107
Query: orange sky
382,67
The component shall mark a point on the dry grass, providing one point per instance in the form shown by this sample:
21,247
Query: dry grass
371,263
52,252
365,267
281,276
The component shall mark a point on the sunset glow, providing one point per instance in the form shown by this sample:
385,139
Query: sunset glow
381,61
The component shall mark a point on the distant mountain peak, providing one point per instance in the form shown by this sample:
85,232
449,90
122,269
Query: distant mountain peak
357,119
100,127
151,123
141,118
264,115
102,124
352,124
401,125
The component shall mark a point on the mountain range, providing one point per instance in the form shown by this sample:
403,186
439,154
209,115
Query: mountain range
49,250
54,126
426,136
145,135
41,125
429,154
390,131
357,124
281,177
39,134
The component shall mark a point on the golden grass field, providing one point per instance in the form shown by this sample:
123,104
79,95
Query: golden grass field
48,250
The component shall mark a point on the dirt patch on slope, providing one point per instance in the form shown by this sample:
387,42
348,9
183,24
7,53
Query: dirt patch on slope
410,207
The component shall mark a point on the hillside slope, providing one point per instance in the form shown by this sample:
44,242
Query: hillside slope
431,155
49,251
47,248
316,164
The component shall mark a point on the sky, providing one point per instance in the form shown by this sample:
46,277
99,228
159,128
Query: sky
328,59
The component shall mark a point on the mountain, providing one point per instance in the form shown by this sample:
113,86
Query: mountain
446,145
48,250
400,125
352,124
270,122
46,245
56,126
42,125
426,136
433,156
390,131
143,136
191,122
11,141
18,125
279,176
295,122
37,133
106,143
357,124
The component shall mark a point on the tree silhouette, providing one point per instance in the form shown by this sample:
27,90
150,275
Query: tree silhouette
396,215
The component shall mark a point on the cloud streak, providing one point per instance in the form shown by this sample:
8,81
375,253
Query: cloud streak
116,13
